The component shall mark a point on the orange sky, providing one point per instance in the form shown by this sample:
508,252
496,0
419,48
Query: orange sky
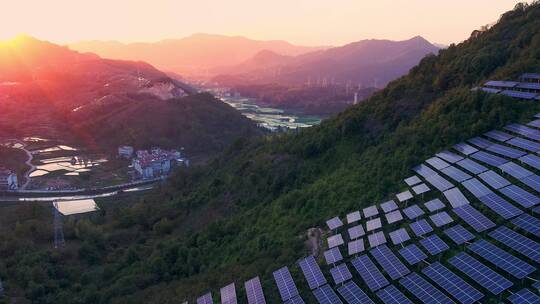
309,22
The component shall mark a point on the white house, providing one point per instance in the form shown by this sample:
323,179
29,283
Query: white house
8,180
156,162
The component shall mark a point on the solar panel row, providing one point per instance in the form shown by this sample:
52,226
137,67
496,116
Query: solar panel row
456,174
413,212
474,218
423,290
389,262
517,242
356,246
437,163
524,144
369,273
412,254
488,158
524,296
505,151
500,206
376,239
455,197
228,294
332,256
528,223
254,291
439,182
353,294
471,166
421,227
391,295
393,216
326,295
340,273
434,244
312,272
287,288
520,196
449,156
399,236
205,299
453,284
465,148
458,234
434,205
391,204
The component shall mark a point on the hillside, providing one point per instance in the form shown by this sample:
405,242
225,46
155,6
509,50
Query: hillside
196,55
246,213
81,97
368,62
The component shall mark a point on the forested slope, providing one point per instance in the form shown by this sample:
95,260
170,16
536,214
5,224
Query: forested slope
246,213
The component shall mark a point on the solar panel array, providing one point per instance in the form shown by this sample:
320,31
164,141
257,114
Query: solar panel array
228,294
476,188
254,291
434,205
369,273
517,242
474,218
500,206
389,262
421,227
340,273
332,255
326,295
458,234
489,158
456,174
528,223
353,294
434,244
515,170
502,259
453,284
471,166
524,296
312,272
505,151
525,144
480,273
391,295
520,196
494,180
412,254
205,299
531,160
287,288
423,290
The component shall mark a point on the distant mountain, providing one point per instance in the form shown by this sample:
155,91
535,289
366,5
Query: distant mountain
368,62
82,97
197,54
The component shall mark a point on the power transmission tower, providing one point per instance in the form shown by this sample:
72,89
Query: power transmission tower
58,228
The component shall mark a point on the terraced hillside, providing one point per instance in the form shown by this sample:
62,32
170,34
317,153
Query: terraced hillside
247,213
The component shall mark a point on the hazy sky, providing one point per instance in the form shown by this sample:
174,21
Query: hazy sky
310,22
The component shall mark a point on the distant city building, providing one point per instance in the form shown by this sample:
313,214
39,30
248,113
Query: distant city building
8,180
157,162
125,151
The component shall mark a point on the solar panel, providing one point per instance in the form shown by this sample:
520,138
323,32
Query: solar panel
389,206
480,142
412,254
518,94
312,271
295,300
391,295
449,156
465,148
528,223
489,158
413,212
424,170
326,295
453,284
532,181
353,294
287,288
420,189
455,197
412,180
440,219
517,242
471,166
505,151
389,262
474,218
458,234
480,273
476,188
373,278
515,170
498,135
373,224
340,273
334,223
356,232
434,205
376,239
370,211
524,144
536,285
494,180
399,236
353,217
333,255
531,160
335,240
423,290
500,206
356,246
205,299
456,174
437,163
403,196
434,244
254,291
421,227
439,182
393,217
228,294
502,259
535,123
523,130
524,296
489,90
